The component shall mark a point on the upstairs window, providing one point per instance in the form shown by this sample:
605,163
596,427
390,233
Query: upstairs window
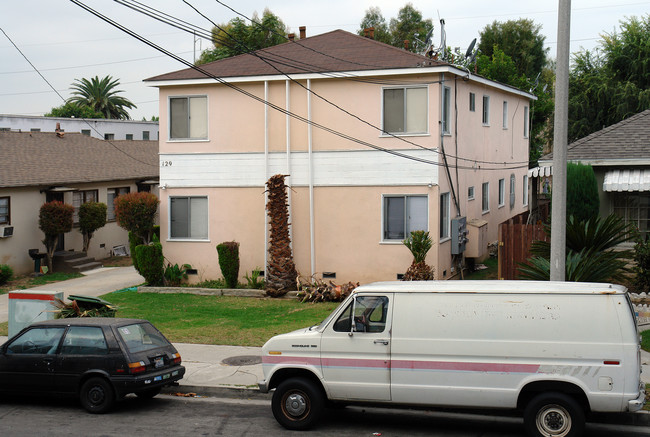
5,218
502,192
485,197
405,110
505,115
526,122
472,102
445,216
403,214
486,110
188,118
446,109
145,135
512,191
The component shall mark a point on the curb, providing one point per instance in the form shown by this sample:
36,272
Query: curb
219,391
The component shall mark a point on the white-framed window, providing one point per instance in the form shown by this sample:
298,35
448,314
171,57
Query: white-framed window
485,197
512,191
502,192
111,195
403,214
85,132
472,102
80,197
188,217
486,110
525,188
109,137
188,118
129,137
526,122
5,216
470,193
634,209
445,216
505,114
145,135
405,110
446,110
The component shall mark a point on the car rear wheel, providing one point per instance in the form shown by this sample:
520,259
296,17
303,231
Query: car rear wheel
148,394
97,395
297,403
554,415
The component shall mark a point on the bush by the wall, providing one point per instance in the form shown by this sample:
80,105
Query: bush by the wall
150,262
5,273
582,201
134,241
229,262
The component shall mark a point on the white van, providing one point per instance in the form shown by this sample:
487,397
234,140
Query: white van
553,350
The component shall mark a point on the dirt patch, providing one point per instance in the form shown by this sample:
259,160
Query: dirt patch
117,261
19,283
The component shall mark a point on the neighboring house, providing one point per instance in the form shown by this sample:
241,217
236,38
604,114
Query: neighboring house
620,157
341,124
38,167
102,128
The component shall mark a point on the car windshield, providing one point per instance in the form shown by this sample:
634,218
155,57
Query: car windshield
141,337
327,320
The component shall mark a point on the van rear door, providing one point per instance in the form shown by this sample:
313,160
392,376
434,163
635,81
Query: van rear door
355,350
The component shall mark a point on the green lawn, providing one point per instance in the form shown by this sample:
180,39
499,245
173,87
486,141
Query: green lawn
645,340
226,320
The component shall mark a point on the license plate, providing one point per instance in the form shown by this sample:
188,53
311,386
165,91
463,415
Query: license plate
158,362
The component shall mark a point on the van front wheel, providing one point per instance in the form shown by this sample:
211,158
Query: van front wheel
554,415
297,403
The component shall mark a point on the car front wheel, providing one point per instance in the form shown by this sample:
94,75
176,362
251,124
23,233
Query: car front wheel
554,415
97,395
297,403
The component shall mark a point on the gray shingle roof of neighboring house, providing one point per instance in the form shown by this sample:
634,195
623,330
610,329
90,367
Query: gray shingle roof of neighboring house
625,140
45,159
334,51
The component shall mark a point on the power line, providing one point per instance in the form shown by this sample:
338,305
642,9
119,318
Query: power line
54,89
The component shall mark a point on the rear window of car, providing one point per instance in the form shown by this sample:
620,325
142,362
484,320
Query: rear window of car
141,337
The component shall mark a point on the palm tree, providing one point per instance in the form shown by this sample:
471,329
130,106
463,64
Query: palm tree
101,96
419,243
281,273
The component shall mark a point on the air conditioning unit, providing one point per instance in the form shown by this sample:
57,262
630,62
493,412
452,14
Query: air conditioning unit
6,231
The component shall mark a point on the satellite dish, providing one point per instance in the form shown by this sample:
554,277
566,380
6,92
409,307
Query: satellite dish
470,49
427,39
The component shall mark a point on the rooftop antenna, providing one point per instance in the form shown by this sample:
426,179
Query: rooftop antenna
443,40
470,54
426,43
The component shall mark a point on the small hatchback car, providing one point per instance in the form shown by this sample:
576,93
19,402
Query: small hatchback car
100,360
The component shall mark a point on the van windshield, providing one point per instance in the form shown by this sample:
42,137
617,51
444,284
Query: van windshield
327,320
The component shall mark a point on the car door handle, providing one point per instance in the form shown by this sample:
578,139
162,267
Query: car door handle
379,341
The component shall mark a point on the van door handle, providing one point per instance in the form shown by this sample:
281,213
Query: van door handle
384,342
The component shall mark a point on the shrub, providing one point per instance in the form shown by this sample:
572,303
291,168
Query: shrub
5,273
255,281
150,261
54,218
136,212
582,200
92,216
174,274
419,243
134,241
92,307
641,269
229,262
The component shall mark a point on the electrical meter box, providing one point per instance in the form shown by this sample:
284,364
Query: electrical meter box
458,235
27,307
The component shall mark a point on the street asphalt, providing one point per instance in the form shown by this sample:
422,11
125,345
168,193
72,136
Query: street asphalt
214,370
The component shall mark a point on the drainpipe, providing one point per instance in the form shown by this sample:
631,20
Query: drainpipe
288,127
311,182
266,173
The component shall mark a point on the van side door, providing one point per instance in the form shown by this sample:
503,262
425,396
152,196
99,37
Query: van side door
355,350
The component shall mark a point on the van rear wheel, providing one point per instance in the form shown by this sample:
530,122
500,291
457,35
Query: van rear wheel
554,415
297,403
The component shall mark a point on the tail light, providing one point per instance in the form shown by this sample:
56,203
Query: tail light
137,367
176,358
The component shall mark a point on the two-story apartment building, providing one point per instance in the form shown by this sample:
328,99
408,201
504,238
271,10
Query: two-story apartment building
375,142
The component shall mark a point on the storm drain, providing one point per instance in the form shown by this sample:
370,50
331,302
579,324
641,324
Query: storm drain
243,360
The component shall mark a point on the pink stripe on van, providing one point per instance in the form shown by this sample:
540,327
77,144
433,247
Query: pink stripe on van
465,366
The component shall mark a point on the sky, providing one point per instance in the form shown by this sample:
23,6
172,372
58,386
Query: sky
65,42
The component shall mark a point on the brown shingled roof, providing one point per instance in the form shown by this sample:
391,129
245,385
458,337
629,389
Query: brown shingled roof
627,139
334,51
43,159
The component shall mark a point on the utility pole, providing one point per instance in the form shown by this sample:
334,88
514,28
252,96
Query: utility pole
558,214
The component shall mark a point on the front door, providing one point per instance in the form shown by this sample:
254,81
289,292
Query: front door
355,350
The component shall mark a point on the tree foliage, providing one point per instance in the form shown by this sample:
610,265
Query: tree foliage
54,218
582,201
407,26
237,36
101,95
74,110
374,18
92,216
136,212
612,82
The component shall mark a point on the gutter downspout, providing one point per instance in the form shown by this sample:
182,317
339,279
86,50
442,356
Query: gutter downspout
312,243
288,133
266,173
